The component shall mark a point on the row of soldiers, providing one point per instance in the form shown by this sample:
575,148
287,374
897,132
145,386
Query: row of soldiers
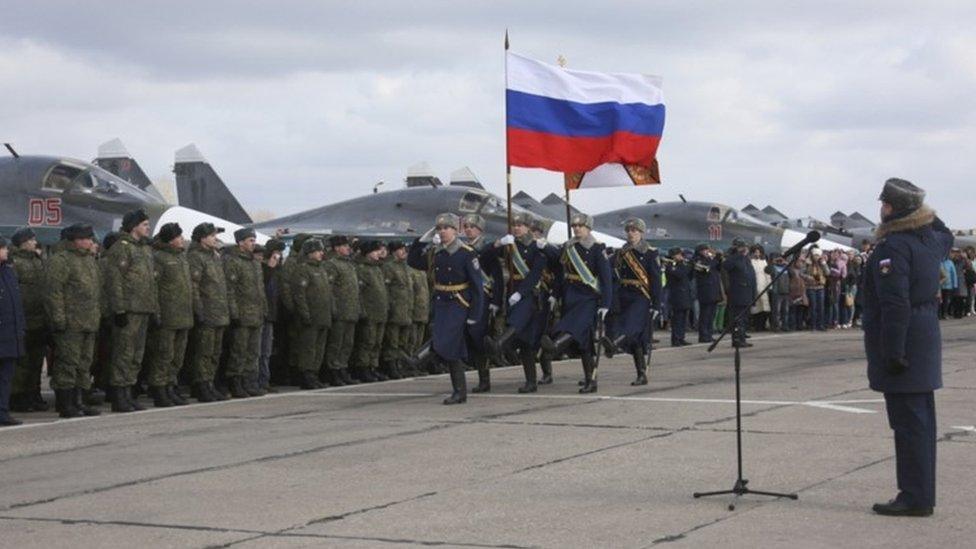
156,308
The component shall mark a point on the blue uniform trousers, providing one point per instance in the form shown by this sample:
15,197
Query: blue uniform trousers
705,321
679,322
912,418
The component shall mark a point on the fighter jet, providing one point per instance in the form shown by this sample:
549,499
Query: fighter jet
52,192
404,213
686,224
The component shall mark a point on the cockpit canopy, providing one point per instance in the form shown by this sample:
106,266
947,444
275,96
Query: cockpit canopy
87,179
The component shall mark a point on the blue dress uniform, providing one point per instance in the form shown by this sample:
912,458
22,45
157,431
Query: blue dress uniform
708,284
741,290
548,290
457,300
679,276
586,285
637,290
903,345
492,284
524,319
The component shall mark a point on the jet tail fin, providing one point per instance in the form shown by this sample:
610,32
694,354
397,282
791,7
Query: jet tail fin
115,158
199,187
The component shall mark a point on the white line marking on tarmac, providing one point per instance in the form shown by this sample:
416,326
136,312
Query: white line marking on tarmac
826,404
334,390
970,428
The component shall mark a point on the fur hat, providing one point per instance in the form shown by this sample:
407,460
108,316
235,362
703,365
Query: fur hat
133,218
22,235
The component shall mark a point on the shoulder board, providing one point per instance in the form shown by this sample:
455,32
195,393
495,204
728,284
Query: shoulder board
466,247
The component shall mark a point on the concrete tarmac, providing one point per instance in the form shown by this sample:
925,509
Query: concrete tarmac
387,465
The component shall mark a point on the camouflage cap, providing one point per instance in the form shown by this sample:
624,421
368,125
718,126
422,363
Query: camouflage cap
903,195
312,245
244,233
447,220
581,219
635,223
22,235
474,220
133,218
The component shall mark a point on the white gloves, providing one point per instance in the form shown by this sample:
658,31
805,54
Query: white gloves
506,240
540,243
472,322
552,302
602,311
436,240
515,298
493,309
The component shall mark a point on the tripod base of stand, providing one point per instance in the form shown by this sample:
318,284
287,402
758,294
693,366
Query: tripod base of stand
740,489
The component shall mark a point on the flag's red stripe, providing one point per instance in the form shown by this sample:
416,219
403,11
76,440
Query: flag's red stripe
529,149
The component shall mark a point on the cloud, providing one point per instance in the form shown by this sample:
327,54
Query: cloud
805,106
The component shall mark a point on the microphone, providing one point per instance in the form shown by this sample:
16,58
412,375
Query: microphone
810,238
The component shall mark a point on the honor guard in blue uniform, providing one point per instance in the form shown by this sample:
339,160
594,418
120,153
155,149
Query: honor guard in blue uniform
547,289
524,320
902,338
708,287
678,273
457,298
741,290
473,226
637,290
587,294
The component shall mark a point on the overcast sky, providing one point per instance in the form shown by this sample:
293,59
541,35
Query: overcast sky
808,106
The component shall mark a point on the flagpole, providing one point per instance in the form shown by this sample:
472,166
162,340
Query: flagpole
569,230
508,165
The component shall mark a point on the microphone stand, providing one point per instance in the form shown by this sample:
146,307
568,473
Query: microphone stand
740,487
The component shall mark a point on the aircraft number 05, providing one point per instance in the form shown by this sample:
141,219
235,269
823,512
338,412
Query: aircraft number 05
44,211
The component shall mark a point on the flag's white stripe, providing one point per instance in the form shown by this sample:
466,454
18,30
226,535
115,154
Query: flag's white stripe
531,76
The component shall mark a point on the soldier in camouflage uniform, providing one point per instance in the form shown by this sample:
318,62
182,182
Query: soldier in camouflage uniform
291,323
210,310
132,301
375,300
346,312
73,286
399,324
167,342
311,293
26,388
420,316
248,309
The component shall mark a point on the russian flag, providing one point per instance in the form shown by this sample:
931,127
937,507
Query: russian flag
573,121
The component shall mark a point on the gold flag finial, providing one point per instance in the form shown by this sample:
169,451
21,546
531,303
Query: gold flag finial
561,61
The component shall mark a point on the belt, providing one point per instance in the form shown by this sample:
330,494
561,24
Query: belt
451,287
631,282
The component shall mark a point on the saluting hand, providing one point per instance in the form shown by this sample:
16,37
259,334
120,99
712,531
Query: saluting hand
515,298
506,240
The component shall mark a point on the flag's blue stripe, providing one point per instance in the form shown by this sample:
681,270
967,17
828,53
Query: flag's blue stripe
561,117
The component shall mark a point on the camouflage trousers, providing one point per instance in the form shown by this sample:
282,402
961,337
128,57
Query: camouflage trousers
369,337
245,349
342,338
207,343
73,352
27,373
128,348
166,349
397,340
312,341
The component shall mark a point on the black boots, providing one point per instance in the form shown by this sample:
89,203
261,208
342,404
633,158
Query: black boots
236,385
484,381
120,400
640,366
528,366
556,347
218,394
173,392
459,384
202,392
64,402
589,373
347,378
160,397
252,389
545,363
310,381
391,370
496,346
